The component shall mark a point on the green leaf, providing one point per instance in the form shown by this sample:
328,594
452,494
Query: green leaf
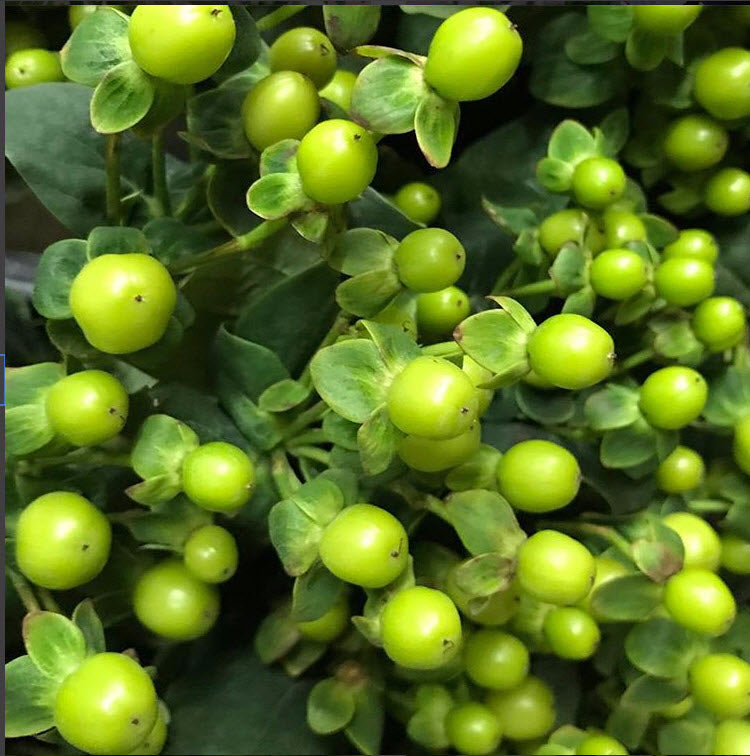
283,396
340,431
517,311
168,524
365,730
427,725
29,385
303,656
171,239
630,598
627,447
121,98
628,724
636,307
330,706
161,446
377,440
478,472
312,225
245,708
513,220
554,175
589,48
350,25
367,294
496,341
88,622
484,575
645,51
660,648
571,142
387,94
320,499
729,397
484,521
97,45
214,122
660,231
280,157
690,734
315,593
294,536
374,210
276,635
545,407
612,22
657,551
613,132
361,250
54,643
581,302
156,490
58,266
276,195
654,694
26,430
246,48
116,240
614,406
568,271
396,347
29,699
436,127
351,378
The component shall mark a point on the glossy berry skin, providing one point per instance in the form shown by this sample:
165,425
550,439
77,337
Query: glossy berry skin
741,445
554,568
695,243
474,52
618,274
570,351
87,408
329,626
699,540
601,744
420,628
621,227
732,738
439,312
211,554
24,68
306,51
284,105
432,398
727,192
107,705
722,83
62,541
719,323
339,89
735,554
418,201
170,601
473,729
21,36
525,712
682,470
430,455
673,396
219,477
606,569
699,600
563,227
429,259
721,684
598,181
336,160
365,545
78,13
695,142
538,476
496,610
183,44
123,302
496,660
571,633
155,740
479,376
665,20
683,281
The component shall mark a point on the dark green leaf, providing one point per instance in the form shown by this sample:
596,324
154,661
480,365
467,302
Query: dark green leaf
568,271
247,45
350,25
168,524
644,51
729,397
276,635
54,643
614,406
330,706
315,593
361,250
545,407
340,432
121,98
436,127
365,730
303,656
374,210
589,48
611,21
654,694
60,263
629,446
116,240
214,120
478,472
660,231
513,220
660,648
29,699
628,724
283,396
614,130
626,599
692,734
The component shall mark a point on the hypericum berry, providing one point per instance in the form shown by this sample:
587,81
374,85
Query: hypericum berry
211,554
420,628
473,729
25,68
735,554
432,398
722,83
695,243
474,52
618,273
304,50
571,633
330,625
365,545
741,446
439,312
600,744
684,281
563,227
673,396
525,712
699,540
719,323
695,142
479,376
732,738
621,227
721,684
538,476
495,659
429,259
727,192
699,600
431,455
153,745
597,182
665,20
420,202
22,36
680,471
339,89
571,351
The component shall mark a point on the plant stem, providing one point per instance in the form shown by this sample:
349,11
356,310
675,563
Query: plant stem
443,349
314,436
340,324
159,166
311,452
48,601
98,457
305,419
283,476
708,506
547,286
112,155
239,244
274,18
195,196
24,590
634,360
502,280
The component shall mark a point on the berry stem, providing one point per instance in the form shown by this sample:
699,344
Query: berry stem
340,324
24,590
311,452
239,244
314,436
547,286
304,420
158,164
504,278
445,349
283,476
274,18
112,168
634,360
48,601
